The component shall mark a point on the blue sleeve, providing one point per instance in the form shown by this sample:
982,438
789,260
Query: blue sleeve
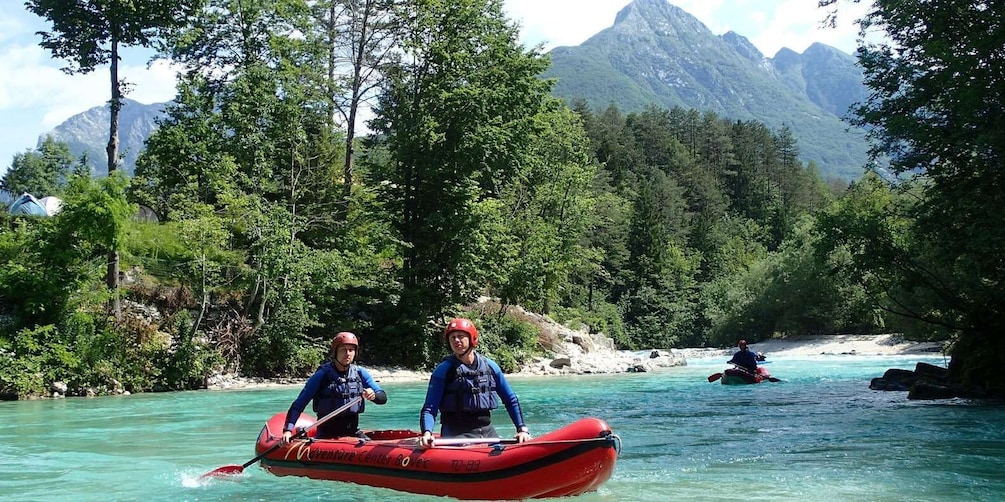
306,394
507,395
368,381
434,396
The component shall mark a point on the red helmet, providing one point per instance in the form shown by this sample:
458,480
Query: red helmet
461,324
344,338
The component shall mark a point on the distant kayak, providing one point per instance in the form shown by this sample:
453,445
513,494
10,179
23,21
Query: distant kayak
575,459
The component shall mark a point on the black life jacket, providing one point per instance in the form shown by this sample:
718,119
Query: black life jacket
469,390
339,390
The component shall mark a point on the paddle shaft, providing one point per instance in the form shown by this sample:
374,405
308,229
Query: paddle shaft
301,433
745,370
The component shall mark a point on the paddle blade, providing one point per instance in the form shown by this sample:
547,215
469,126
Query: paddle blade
773,379
227,470
714,376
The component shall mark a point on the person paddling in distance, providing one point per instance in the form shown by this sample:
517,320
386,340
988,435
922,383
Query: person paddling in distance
334,384
744,358
463,388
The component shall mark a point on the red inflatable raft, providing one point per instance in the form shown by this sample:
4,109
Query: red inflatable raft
572,460
740,376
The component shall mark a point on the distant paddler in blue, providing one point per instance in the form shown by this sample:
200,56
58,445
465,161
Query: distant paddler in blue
463,389
333,385
744,358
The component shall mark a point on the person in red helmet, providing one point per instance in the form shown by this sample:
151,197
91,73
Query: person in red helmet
334,384
744,358
463,390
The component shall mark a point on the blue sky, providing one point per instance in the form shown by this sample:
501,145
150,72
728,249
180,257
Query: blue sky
35,96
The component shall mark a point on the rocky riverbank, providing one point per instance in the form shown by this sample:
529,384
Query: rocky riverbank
574,353
578,352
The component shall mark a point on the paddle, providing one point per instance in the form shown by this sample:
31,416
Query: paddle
229,470
467,441
510,441
714,376
745,370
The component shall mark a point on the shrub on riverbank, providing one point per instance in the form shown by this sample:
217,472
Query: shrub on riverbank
85,356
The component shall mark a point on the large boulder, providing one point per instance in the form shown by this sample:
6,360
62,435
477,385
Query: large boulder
894,379
926,381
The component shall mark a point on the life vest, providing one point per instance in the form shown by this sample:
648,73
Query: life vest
469,389
339,390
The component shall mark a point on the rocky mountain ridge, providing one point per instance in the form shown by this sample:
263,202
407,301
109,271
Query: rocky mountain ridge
655,53
87,134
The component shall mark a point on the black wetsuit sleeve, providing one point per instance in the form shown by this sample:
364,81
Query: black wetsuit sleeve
380,398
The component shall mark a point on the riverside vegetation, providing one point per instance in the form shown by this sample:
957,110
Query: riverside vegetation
661,228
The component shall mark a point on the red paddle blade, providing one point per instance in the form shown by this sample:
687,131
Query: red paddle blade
714,376
227,470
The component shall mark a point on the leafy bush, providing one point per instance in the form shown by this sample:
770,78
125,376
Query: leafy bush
506,339
33,358
186,364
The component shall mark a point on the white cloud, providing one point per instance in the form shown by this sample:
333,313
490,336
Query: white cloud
562,22
30,79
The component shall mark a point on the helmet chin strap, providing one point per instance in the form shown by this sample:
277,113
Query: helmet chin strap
465,354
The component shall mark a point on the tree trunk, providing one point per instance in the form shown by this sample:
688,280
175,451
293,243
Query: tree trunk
112,276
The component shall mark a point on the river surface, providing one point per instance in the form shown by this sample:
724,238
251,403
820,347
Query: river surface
821,434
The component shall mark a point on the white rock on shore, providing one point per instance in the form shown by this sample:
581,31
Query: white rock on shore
573,359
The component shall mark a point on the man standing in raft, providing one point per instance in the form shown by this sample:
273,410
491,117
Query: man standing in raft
464,387
333,385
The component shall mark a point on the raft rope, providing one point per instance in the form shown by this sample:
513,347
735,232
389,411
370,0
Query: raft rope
610,438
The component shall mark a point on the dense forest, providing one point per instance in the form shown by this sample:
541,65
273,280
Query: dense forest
285,217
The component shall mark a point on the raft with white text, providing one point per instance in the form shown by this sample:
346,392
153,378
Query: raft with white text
575,459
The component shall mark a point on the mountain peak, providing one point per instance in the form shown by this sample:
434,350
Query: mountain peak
660,16
743,46
657,54
87,133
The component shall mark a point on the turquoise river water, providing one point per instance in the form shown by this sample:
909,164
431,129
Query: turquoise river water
821,434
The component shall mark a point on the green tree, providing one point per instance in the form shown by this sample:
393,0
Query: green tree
544,214
613,144
658,297
359,37
49,267
935,109
457,116
41,172
89,34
